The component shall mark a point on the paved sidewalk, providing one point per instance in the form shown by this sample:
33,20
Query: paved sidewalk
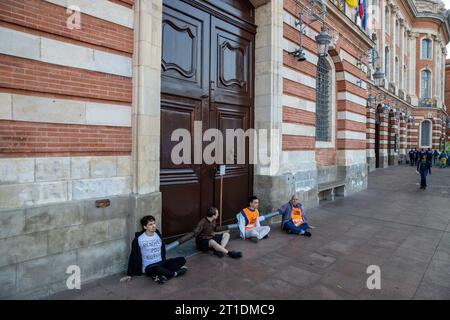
393,224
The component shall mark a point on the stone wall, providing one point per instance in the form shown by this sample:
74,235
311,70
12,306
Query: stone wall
38,181
49,221
39,243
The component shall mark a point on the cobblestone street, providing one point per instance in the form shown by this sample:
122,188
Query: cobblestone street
393,224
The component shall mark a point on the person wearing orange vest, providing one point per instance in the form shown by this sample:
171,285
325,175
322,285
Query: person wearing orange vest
294,220
248,221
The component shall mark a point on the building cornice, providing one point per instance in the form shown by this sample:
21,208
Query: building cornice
429,15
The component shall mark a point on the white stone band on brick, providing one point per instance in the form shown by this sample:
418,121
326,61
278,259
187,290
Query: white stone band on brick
28,46
102,9
298,103
352,135
298,130
346,76
345,95
351,116
298,77
42,109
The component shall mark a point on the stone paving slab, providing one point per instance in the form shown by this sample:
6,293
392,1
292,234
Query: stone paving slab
393,224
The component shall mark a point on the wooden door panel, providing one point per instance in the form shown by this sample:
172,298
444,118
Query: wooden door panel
231,63
238,178
185,49
180,184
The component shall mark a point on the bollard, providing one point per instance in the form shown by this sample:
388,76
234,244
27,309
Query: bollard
175,244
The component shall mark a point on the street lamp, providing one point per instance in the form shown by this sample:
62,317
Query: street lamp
323,40
378,77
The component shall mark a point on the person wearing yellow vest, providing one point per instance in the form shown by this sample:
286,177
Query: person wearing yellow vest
294,220
248,221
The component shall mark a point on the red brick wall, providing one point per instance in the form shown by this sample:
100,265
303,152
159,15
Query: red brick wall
20,139
35,78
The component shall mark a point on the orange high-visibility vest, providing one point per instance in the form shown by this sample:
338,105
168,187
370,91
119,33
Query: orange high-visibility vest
252,217
297,217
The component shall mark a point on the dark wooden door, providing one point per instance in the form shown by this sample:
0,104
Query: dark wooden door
207,76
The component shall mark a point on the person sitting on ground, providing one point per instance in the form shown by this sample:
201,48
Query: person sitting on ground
293,219
148,255
206,240
248,221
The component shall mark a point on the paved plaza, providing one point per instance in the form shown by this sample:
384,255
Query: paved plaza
393,224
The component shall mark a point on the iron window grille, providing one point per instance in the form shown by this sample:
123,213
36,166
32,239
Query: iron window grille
323,101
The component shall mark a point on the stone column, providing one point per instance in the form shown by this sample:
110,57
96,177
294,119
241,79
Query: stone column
384,134
402,56
370,152
412,68
146,112
270,187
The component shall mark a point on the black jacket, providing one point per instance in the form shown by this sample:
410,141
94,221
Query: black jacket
135,261
427,166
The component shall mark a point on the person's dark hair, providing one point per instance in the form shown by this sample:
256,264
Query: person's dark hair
250,199
211,212
145,220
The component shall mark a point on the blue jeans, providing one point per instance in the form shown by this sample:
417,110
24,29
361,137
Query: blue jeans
296,230
423,178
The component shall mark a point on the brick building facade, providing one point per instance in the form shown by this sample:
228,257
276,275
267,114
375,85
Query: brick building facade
86,115
447,94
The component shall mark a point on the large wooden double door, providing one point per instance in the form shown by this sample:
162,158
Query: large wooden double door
207,75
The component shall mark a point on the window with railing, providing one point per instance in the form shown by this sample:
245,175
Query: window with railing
425,89
323,101
426,52
425,134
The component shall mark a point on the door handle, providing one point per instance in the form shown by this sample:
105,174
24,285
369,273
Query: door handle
205,96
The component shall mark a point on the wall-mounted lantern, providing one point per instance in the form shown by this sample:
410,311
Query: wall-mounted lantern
323,39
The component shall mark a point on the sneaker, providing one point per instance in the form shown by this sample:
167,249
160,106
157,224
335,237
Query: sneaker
219,254
160,279
254,239
307,234
235,254
289,231
180,272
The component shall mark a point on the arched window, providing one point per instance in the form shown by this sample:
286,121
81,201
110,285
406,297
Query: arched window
425,84
425,134
323,101
386,62
426,49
